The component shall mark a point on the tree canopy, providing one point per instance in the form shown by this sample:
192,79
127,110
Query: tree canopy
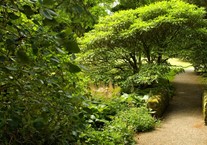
123,43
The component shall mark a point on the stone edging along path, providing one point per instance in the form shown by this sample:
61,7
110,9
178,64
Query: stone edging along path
183,122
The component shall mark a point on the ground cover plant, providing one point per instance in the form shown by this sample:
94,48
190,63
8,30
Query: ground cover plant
116,120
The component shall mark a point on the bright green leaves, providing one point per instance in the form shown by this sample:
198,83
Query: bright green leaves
40,91
126,40
126,25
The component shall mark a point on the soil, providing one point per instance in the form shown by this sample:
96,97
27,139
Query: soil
182,123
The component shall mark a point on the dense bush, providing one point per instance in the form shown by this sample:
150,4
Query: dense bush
121,129
139,119
101,110
40,121
41,97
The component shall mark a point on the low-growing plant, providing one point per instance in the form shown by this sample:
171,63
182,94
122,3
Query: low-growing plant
121,129
131,100
138,119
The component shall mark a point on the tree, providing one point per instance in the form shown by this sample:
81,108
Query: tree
123,44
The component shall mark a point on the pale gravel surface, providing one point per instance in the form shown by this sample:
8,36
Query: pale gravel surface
182,123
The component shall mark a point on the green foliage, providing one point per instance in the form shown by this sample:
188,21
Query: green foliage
40,120
122,128
148,75
131,100
198,51
138,119
41,96
123,45
99,111
173,71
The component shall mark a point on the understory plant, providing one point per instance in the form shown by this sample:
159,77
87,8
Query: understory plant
115,120
121,129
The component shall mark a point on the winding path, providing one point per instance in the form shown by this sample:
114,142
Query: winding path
182,123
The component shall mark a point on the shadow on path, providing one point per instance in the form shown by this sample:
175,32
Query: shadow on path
188,98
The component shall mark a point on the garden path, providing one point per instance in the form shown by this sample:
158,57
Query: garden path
182,123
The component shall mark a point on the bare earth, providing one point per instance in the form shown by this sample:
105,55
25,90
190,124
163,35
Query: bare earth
182,123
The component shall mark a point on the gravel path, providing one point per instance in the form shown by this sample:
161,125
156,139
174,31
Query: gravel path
182,123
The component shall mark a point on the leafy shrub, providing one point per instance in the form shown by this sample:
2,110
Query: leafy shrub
138,119
131,100
110,136
164,87
40,94
148,76
121,129
40,120
101,110
173,71
98,112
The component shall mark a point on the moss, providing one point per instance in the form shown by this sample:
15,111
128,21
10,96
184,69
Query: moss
158,103
204,102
